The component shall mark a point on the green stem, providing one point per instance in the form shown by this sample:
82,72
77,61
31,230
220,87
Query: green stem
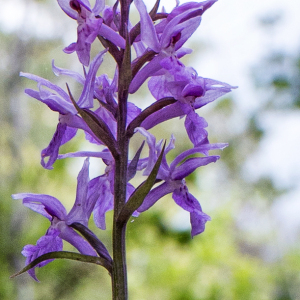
119,276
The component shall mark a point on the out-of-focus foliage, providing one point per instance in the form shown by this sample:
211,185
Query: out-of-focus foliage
282,80
236,257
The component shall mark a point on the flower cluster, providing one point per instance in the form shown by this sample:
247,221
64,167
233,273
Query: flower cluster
109,120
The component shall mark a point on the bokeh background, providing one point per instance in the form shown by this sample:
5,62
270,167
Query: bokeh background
250,249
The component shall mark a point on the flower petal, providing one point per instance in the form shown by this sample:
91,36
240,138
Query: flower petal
52,150
148,70
99,6
103,154
189,203
47,243
112,36
148,33
87,95
201,149
190,165
45,205
198,220
194,125
155,194
65,6
104,203
167,113
57,99
151,141
78,212
60,71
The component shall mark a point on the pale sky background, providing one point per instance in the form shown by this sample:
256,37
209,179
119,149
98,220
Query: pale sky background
236,42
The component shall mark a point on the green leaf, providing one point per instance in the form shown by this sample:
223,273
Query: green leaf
94,242
154,9
131,171
65,255
138,196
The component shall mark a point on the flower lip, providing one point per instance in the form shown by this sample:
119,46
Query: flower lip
45,205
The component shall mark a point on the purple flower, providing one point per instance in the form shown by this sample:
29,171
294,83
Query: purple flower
184,84
173,177
47,243
112,17
105,201
90,24
170,77
102,185
167,38
54,211
58,100
106,89
191,91
158,41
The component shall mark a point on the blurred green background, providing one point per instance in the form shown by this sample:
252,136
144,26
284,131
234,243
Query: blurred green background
250,249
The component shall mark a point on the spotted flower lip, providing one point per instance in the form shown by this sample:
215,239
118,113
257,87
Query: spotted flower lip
173,178
55,212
